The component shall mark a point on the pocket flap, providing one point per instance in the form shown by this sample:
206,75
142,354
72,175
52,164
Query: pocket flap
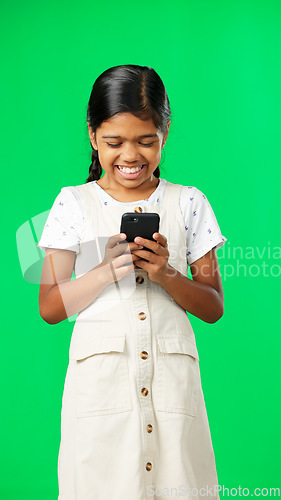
179,345
97,345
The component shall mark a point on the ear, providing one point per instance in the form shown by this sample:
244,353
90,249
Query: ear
92,137
166,134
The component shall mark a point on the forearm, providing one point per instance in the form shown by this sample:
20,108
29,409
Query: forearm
68,298
199,299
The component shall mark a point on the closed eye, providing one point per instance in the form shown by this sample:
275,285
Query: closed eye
141,143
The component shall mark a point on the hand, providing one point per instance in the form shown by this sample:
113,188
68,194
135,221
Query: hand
118,259
157,266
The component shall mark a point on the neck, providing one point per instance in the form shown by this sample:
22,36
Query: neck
124,194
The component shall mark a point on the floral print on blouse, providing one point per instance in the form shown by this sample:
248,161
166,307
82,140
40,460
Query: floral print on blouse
65,222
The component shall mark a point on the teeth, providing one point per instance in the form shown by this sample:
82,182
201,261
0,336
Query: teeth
129,170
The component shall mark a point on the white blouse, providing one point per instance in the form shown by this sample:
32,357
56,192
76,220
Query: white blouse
65,222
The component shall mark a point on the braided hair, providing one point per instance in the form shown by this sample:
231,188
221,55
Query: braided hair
95,169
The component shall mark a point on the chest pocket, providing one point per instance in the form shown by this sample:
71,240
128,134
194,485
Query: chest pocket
102,377
177,377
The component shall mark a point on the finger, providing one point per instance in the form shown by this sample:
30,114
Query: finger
134,246
160,238
124,247
142,264
144,242
123,259
119,249
145,254
119,273
113,240
128,247
155,246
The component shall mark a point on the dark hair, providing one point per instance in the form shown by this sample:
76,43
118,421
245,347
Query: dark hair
128,88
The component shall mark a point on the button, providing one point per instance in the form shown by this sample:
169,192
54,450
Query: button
144,391
142,316
144,355
149,428
139,210
148,466
139,280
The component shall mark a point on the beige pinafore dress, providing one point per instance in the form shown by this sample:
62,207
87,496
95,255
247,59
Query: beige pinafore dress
133,420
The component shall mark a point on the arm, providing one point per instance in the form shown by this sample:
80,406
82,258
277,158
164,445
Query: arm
59,297
202,296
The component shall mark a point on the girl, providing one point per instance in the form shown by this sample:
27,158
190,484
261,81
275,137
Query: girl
133,420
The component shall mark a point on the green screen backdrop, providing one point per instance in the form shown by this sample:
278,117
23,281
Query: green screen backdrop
220,63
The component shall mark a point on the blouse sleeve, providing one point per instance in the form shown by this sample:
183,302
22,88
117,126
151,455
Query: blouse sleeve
202,230
65,222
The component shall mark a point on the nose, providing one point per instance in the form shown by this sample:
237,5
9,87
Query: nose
129,153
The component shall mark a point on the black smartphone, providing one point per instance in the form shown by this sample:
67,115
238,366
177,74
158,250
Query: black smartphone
140,224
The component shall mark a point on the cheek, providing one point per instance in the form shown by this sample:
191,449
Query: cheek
158,154
155,155
106,155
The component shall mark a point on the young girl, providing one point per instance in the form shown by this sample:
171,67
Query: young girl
133,421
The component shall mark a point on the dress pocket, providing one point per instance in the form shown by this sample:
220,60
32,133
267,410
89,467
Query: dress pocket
102,377
177,377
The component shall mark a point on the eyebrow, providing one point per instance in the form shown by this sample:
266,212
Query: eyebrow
119,136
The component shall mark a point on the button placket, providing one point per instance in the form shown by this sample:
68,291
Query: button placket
144,370
142,328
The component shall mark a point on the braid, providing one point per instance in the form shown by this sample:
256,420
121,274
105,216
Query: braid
95,169
156,172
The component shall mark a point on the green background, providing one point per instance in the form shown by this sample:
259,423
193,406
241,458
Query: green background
220,62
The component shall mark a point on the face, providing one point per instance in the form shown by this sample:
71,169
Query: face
129,151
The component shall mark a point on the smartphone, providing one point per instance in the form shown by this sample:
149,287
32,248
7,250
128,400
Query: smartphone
140,224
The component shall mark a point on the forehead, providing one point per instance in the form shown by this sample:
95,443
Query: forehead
127,124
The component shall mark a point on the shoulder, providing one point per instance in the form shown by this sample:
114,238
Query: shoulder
189,196
193,202
185,190
72,196
189,201
73,191
192,194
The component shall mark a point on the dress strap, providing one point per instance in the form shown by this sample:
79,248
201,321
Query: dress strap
89,195
172,194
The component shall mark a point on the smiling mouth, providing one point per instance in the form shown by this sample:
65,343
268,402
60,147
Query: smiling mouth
130,170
